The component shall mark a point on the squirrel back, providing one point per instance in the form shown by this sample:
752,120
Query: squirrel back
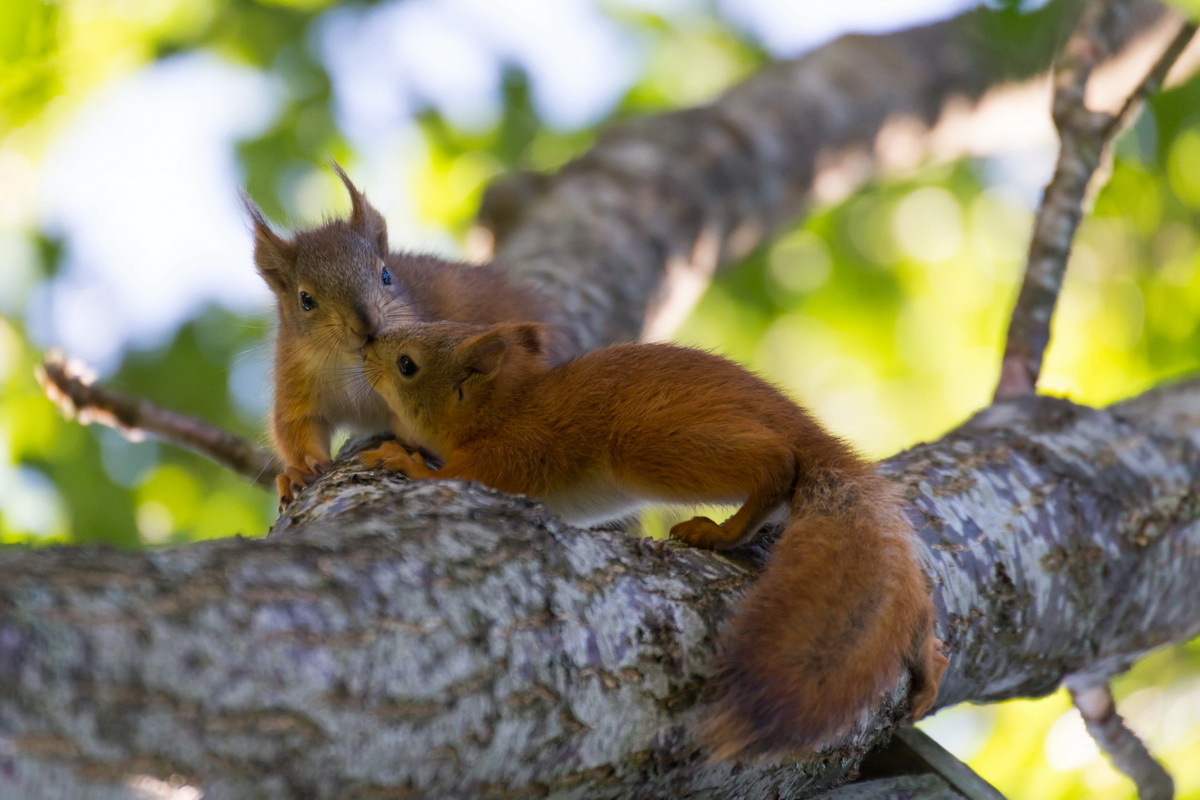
842,610
338,284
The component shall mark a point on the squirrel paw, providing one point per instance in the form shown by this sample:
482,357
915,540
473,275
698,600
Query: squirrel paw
700,532
393,456
283,486
292,481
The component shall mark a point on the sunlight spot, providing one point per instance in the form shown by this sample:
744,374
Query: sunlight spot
1068,745
787,28
154,522
963,730
800,262
928,224
19,180
145,787
10,348
30,502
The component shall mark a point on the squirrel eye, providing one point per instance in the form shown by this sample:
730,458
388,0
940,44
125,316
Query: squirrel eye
307,302
407,366
387,277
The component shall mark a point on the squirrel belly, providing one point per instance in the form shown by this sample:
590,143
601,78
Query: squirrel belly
844,607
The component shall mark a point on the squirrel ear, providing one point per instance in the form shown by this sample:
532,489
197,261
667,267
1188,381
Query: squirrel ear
273,255
483,354
363,216
531,337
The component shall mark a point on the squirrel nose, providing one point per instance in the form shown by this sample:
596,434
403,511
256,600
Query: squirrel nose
366,321
368,339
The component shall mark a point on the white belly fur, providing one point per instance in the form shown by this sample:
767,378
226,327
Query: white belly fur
601,499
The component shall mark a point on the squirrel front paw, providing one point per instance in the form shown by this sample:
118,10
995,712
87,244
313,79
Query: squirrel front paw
292,480
393,456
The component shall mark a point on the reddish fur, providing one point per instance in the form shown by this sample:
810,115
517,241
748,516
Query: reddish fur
844,606
318,375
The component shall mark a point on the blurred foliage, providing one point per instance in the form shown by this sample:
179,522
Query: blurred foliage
884,313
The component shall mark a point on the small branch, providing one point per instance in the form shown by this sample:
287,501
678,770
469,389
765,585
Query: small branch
70,384
1084,135
1155,78
1122,746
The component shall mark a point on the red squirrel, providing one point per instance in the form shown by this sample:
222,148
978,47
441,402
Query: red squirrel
844,606
335,286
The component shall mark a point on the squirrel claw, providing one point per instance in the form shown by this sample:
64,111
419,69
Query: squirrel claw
293,480
283,486
316,468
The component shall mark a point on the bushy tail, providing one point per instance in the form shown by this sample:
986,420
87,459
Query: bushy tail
841,610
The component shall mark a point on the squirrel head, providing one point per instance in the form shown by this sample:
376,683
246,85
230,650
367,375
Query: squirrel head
441,377
331,281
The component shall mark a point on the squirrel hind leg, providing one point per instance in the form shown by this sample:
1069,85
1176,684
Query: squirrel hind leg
734,532
767,488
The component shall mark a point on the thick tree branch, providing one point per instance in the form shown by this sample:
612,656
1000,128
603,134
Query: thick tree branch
436,639
667,199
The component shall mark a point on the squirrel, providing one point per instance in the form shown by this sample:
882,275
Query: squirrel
843,608
335,286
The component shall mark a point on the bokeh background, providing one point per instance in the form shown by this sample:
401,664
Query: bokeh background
128,126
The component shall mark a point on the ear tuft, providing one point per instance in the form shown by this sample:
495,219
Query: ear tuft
273,255
531,337
483,354
369,223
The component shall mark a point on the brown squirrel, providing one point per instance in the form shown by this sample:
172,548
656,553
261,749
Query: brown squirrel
844,606
335,286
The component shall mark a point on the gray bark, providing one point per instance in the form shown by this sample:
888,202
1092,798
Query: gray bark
439,639
399,639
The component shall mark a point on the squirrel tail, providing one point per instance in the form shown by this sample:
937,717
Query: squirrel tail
843,607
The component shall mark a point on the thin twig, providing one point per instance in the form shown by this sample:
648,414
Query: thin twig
1122,746
1154,79
1084,135
71,385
